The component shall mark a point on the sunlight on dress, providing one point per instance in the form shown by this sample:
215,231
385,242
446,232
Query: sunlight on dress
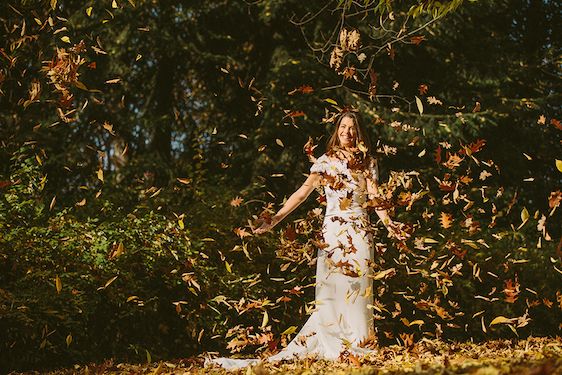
342,317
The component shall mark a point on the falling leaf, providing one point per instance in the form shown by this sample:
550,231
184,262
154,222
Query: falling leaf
541,120
100,174
305,89
265,319
423,89
65,39
107,126
524,215
89,11
114,4
419,104
417,39
108,282
241,232
68,340
185,181
500,320
559,165
236,202
279,142
445,220
290,330
58,283
52,203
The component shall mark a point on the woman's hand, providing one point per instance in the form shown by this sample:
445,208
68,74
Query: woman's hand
266,226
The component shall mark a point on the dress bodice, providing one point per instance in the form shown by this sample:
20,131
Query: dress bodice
345,188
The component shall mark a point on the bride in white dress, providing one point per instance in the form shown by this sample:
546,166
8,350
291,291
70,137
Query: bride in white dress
342,320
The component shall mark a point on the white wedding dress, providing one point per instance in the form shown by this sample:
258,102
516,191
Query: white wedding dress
342,317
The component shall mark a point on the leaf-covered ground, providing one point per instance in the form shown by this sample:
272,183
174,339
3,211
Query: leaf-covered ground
533,356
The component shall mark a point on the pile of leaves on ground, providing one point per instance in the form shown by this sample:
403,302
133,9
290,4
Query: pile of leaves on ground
535,355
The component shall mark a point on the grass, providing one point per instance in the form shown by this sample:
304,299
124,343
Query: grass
532,356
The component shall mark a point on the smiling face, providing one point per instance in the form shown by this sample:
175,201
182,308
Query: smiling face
347,132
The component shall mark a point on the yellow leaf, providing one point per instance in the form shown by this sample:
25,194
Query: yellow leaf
185,181
559,165
524,214
279,142
114,4
80,85
89,11
38,159
418,322
38,21
68,339
500,320
331,101
100,174
65,39
58,284
180,223
422,153
81,203
382,274
53,4
108,283
120,250
52,203
228,267
265,319
420,105
288,331
429,240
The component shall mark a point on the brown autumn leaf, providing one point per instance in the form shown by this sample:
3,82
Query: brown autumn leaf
554,199
556,123
423,88
453,161
185,181
236,201
290,233
434,101
107,126
242,232
417,39
511,290
437,155
446,220
305,89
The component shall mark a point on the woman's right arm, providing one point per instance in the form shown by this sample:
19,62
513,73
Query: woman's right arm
292,203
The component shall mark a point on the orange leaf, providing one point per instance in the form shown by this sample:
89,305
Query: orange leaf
236,202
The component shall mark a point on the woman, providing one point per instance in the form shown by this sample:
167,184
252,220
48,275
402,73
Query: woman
342,320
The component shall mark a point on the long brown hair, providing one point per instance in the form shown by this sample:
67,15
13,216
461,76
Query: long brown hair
360,134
